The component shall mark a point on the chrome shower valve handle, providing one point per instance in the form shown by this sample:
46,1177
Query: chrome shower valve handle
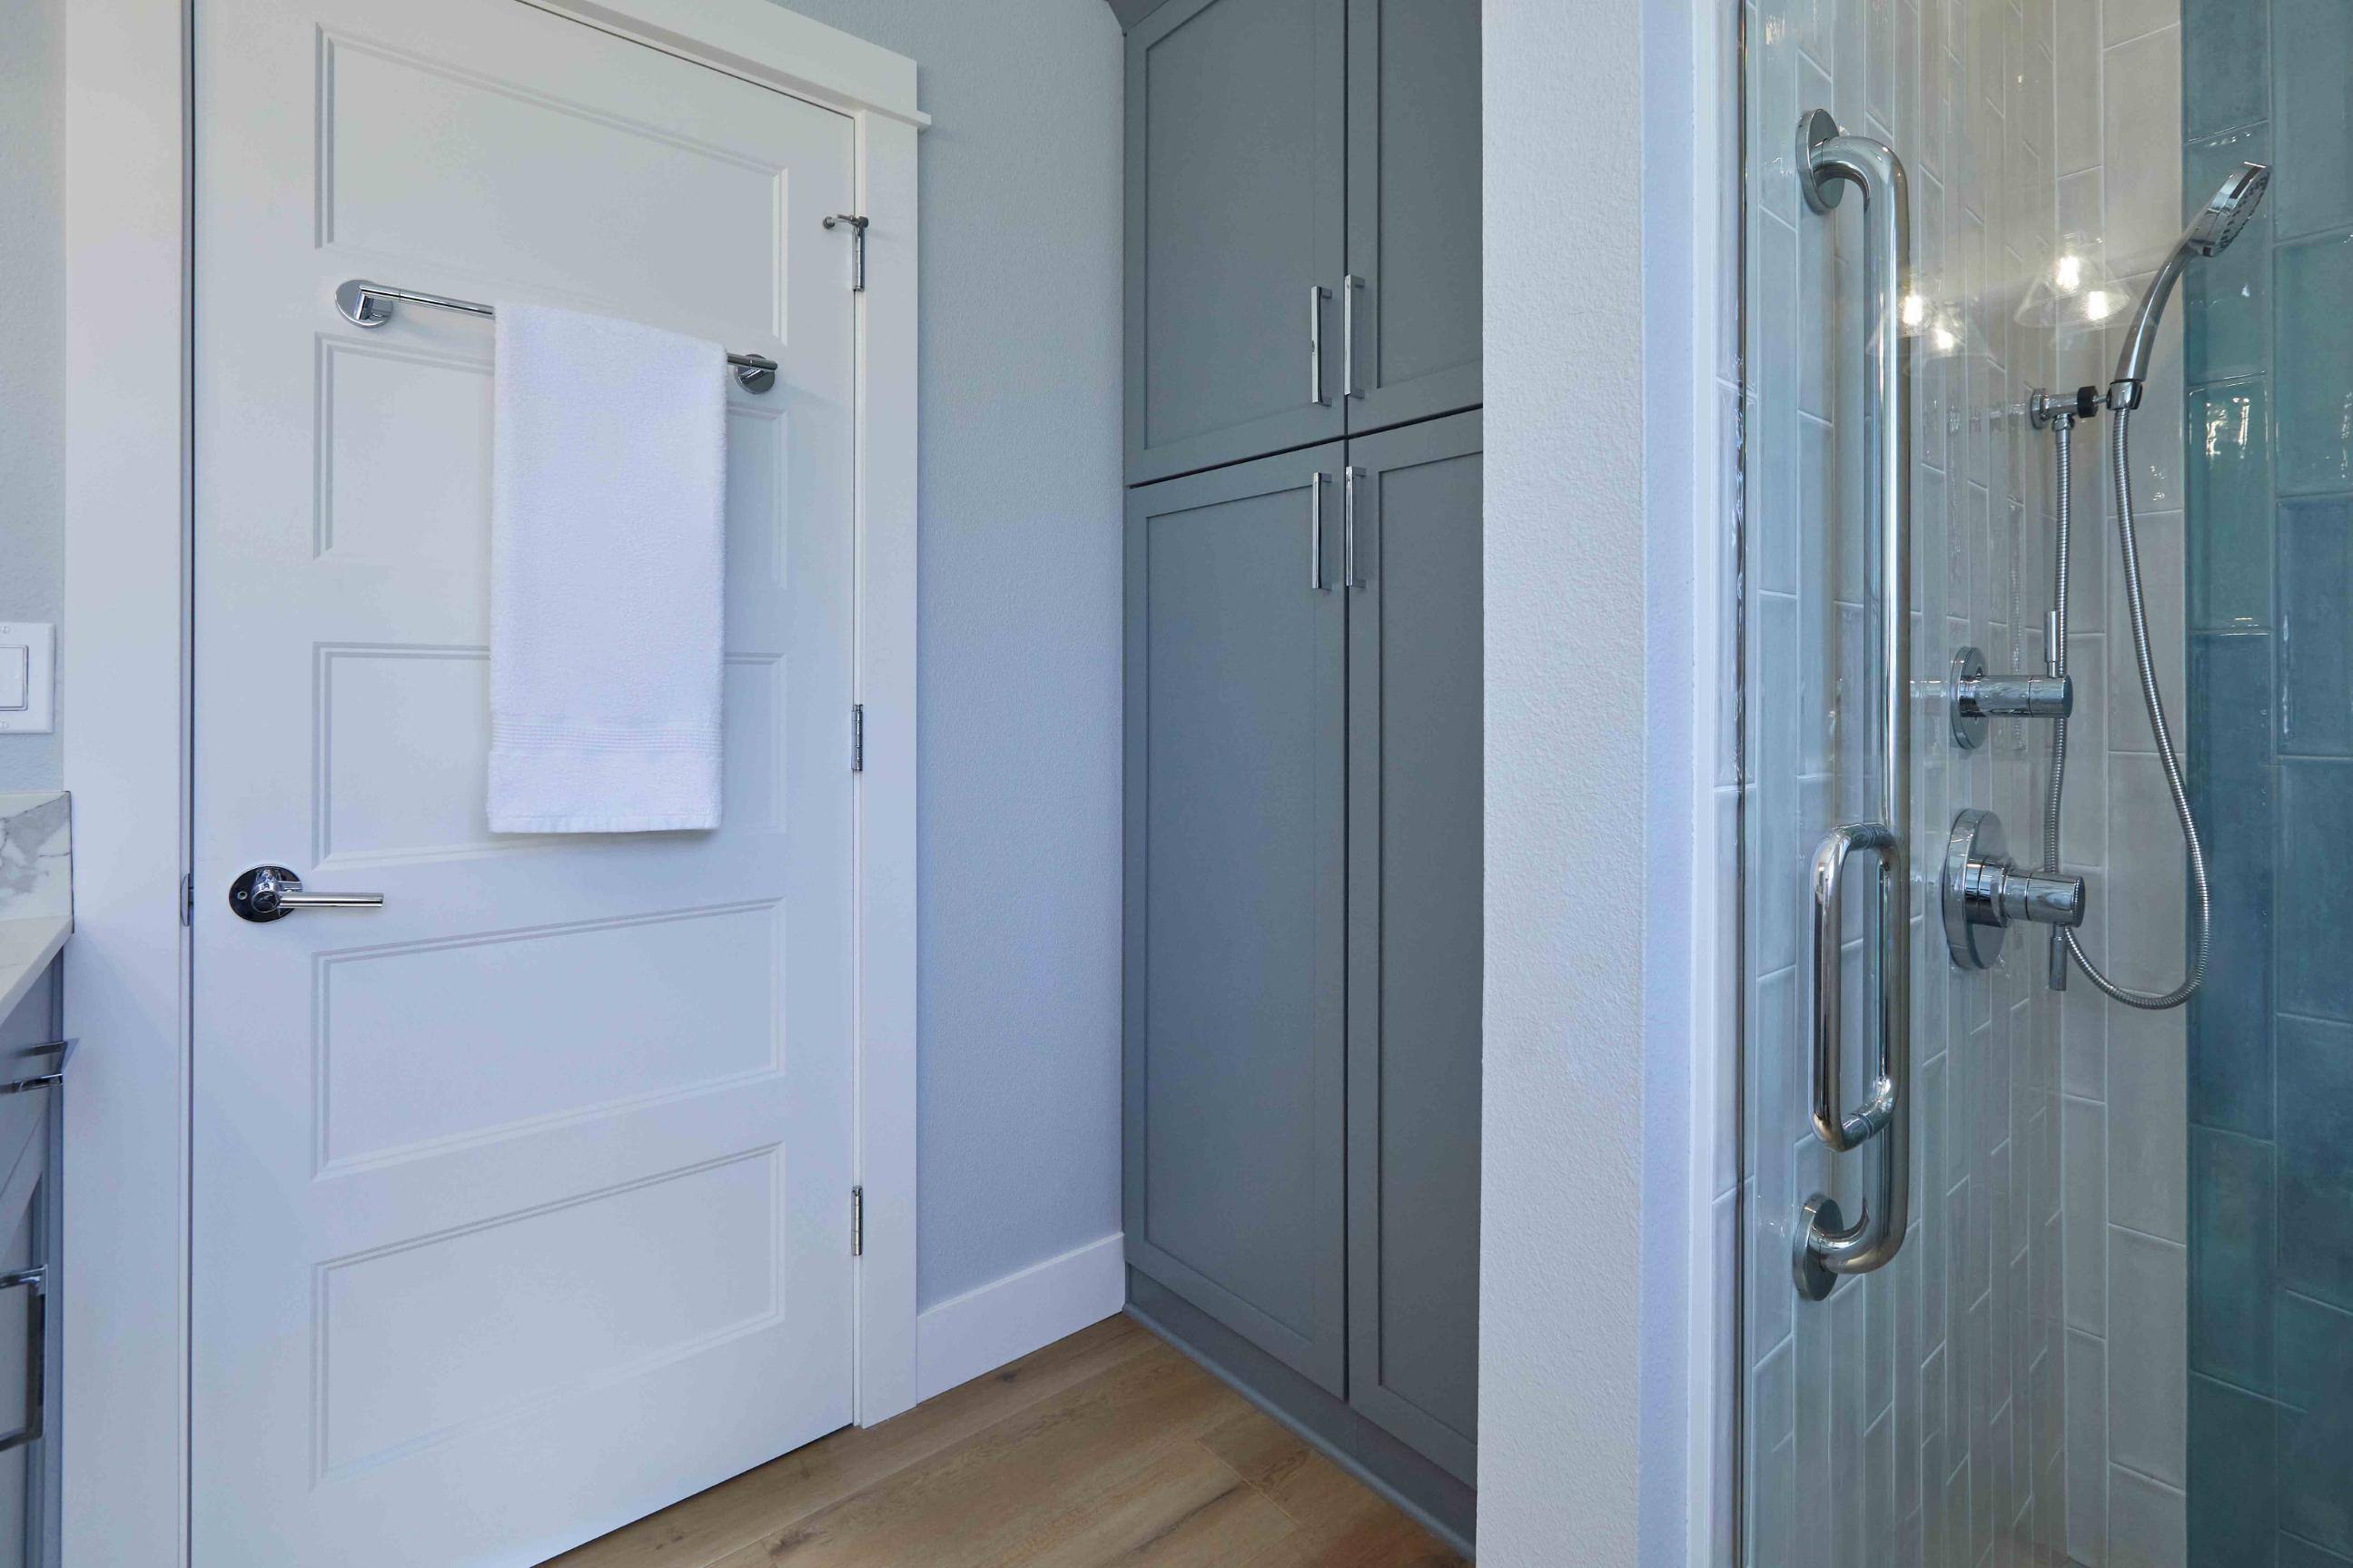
1984,893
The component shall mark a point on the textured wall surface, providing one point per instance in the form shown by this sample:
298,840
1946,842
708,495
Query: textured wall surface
1020,681
1565,638
32,344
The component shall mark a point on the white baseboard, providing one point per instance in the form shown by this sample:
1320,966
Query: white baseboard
973,1334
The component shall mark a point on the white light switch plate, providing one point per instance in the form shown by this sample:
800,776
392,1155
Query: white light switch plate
28,677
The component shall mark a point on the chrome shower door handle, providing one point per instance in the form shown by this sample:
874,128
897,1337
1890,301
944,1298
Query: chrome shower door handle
1841,1129
1826,1245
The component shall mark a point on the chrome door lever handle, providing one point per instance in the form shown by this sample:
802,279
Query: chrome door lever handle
273,892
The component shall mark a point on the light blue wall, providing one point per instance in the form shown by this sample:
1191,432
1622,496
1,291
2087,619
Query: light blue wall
1019,672
32,343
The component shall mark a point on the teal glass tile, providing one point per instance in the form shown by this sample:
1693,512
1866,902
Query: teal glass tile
2294,1551
2233,1476
2315,898
2233,787
2225,64
2227,298
2227,483
2312,114
2316,1424
2316,1172
2315,611
2234,1211
2313,392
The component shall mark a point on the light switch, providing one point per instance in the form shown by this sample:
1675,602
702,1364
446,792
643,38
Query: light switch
28,661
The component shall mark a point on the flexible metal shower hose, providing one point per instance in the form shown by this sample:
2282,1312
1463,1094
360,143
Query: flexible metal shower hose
2120,474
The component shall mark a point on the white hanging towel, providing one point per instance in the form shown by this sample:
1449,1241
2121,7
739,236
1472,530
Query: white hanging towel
607,538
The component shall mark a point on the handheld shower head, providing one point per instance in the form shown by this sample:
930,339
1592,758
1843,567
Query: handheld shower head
2216,225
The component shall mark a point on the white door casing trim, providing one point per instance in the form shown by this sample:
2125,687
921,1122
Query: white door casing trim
128,459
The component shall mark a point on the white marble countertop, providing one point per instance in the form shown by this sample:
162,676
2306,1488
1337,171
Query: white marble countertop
35,887
27,946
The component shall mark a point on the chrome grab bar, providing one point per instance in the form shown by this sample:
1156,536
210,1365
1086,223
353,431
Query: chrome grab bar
1826,1245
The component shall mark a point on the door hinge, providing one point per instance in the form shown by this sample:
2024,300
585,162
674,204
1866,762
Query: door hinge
187,898
858,1222
857,247
858,737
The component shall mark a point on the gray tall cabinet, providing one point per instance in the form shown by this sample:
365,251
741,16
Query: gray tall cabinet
1303,703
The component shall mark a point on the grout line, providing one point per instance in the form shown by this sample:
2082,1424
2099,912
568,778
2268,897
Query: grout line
2116,1464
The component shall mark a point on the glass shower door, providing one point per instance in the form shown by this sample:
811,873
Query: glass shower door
1912,1412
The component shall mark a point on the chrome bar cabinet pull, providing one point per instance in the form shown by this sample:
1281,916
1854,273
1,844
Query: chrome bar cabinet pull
1316,294
1348,578
36,1283
1350,286
1827,1244
1316,531
53,1074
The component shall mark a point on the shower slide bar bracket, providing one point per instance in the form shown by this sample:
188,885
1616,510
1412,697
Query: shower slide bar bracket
366,304
1827,1244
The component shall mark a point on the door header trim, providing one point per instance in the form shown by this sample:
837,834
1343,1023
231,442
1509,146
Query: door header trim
767,44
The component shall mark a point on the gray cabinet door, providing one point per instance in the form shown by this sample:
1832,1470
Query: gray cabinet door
1236,913
1236,169
1413,208
1415,848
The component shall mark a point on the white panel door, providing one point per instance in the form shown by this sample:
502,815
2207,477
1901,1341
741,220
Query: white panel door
522,1203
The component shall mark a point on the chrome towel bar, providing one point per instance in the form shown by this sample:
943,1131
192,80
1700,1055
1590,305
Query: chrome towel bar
366,304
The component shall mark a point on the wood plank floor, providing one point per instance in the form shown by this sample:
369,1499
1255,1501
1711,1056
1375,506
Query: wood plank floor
1106,1447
